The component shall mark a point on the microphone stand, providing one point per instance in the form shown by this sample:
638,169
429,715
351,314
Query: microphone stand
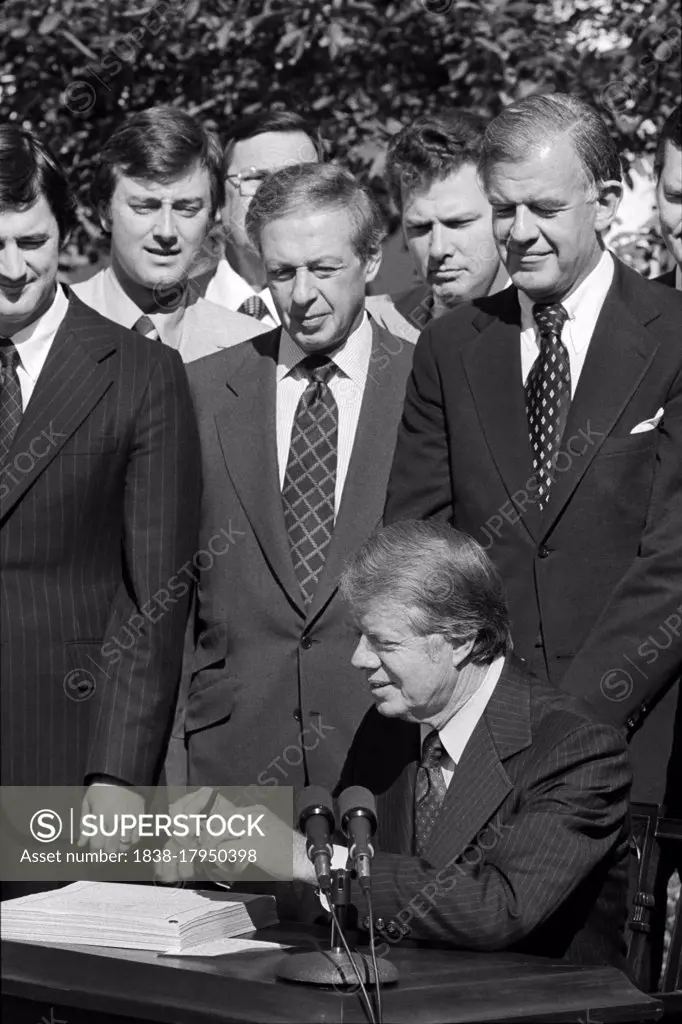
337,966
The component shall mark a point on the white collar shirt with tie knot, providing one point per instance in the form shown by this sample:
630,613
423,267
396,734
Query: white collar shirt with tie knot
583,308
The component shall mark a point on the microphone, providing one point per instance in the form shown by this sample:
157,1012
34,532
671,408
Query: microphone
315,812
358,813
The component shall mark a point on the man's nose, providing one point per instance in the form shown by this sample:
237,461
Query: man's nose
304,289
441,243
524,228
164,225
12,263
363,656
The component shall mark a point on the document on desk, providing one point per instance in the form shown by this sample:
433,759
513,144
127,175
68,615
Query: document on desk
225,947
129,916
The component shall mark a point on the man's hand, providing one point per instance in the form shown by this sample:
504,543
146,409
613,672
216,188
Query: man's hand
280,837
109,800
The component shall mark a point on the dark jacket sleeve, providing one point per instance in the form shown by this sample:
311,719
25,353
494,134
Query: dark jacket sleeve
419,485
135,704
518,872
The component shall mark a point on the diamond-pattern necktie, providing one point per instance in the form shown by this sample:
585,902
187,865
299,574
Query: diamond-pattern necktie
10,396
548,395
145,326
254,306
430,789
310,478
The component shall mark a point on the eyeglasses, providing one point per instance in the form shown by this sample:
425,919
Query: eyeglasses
248,180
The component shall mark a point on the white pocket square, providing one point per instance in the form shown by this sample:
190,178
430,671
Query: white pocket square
648,424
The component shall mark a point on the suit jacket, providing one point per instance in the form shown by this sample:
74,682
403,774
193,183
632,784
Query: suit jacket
405,315
99,500
668,278
598,574
529,848
206,327
273,697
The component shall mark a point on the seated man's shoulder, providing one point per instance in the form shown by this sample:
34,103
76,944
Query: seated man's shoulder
555,713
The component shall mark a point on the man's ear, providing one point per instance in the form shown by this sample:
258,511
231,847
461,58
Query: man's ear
372,265
608,200
104,217
461,652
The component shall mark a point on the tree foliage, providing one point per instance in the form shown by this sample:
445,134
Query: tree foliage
73,68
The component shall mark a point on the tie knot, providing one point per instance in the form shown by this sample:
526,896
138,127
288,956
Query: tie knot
9,357
318,369
550,318
146,326
433,751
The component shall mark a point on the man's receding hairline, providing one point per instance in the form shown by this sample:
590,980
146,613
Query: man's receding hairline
233,143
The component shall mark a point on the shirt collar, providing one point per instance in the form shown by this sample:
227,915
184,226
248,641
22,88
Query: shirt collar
582,304
457,732
33,341
128,313
352,358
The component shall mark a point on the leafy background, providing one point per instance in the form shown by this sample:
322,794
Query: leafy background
72,68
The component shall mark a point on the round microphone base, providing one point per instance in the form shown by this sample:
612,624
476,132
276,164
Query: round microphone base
334,968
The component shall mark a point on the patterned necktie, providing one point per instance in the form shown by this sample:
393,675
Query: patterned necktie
254,306
310,478
10,396
145,326
430,789
548,395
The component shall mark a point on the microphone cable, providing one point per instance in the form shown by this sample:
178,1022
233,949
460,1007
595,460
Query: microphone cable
377,985
346,947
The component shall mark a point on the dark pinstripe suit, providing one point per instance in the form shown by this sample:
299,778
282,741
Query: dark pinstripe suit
98,511
529,850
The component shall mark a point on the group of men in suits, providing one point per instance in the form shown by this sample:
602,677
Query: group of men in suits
540,419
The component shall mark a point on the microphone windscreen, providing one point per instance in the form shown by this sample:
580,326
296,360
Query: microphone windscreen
312,798
356,798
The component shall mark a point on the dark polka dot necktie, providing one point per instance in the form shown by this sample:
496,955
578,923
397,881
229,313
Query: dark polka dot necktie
10,396
310,478
430,789
255,307
548,395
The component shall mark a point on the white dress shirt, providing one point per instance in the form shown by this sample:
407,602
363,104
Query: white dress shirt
583,308
347,386
227,288
104,294
454,735
678,278
33,343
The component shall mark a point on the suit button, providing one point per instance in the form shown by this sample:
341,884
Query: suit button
543,551
306,643
297,714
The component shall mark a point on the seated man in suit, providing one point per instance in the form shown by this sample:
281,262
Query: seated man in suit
446,220
99,509
256,146
158,186
501,802
668,174
297,430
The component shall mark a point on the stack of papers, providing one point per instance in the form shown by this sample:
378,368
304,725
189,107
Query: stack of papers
127,916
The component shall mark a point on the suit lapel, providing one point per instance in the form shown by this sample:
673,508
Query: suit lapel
75,376
247,432
364,492
480,783
492,362
619,355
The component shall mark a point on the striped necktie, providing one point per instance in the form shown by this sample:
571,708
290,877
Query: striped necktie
11,408
430,789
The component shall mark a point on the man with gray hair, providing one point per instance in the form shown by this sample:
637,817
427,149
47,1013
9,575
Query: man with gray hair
546,422
501,803
297,429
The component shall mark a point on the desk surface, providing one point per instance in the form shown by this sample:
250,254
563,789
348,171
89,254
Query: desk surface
435,987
